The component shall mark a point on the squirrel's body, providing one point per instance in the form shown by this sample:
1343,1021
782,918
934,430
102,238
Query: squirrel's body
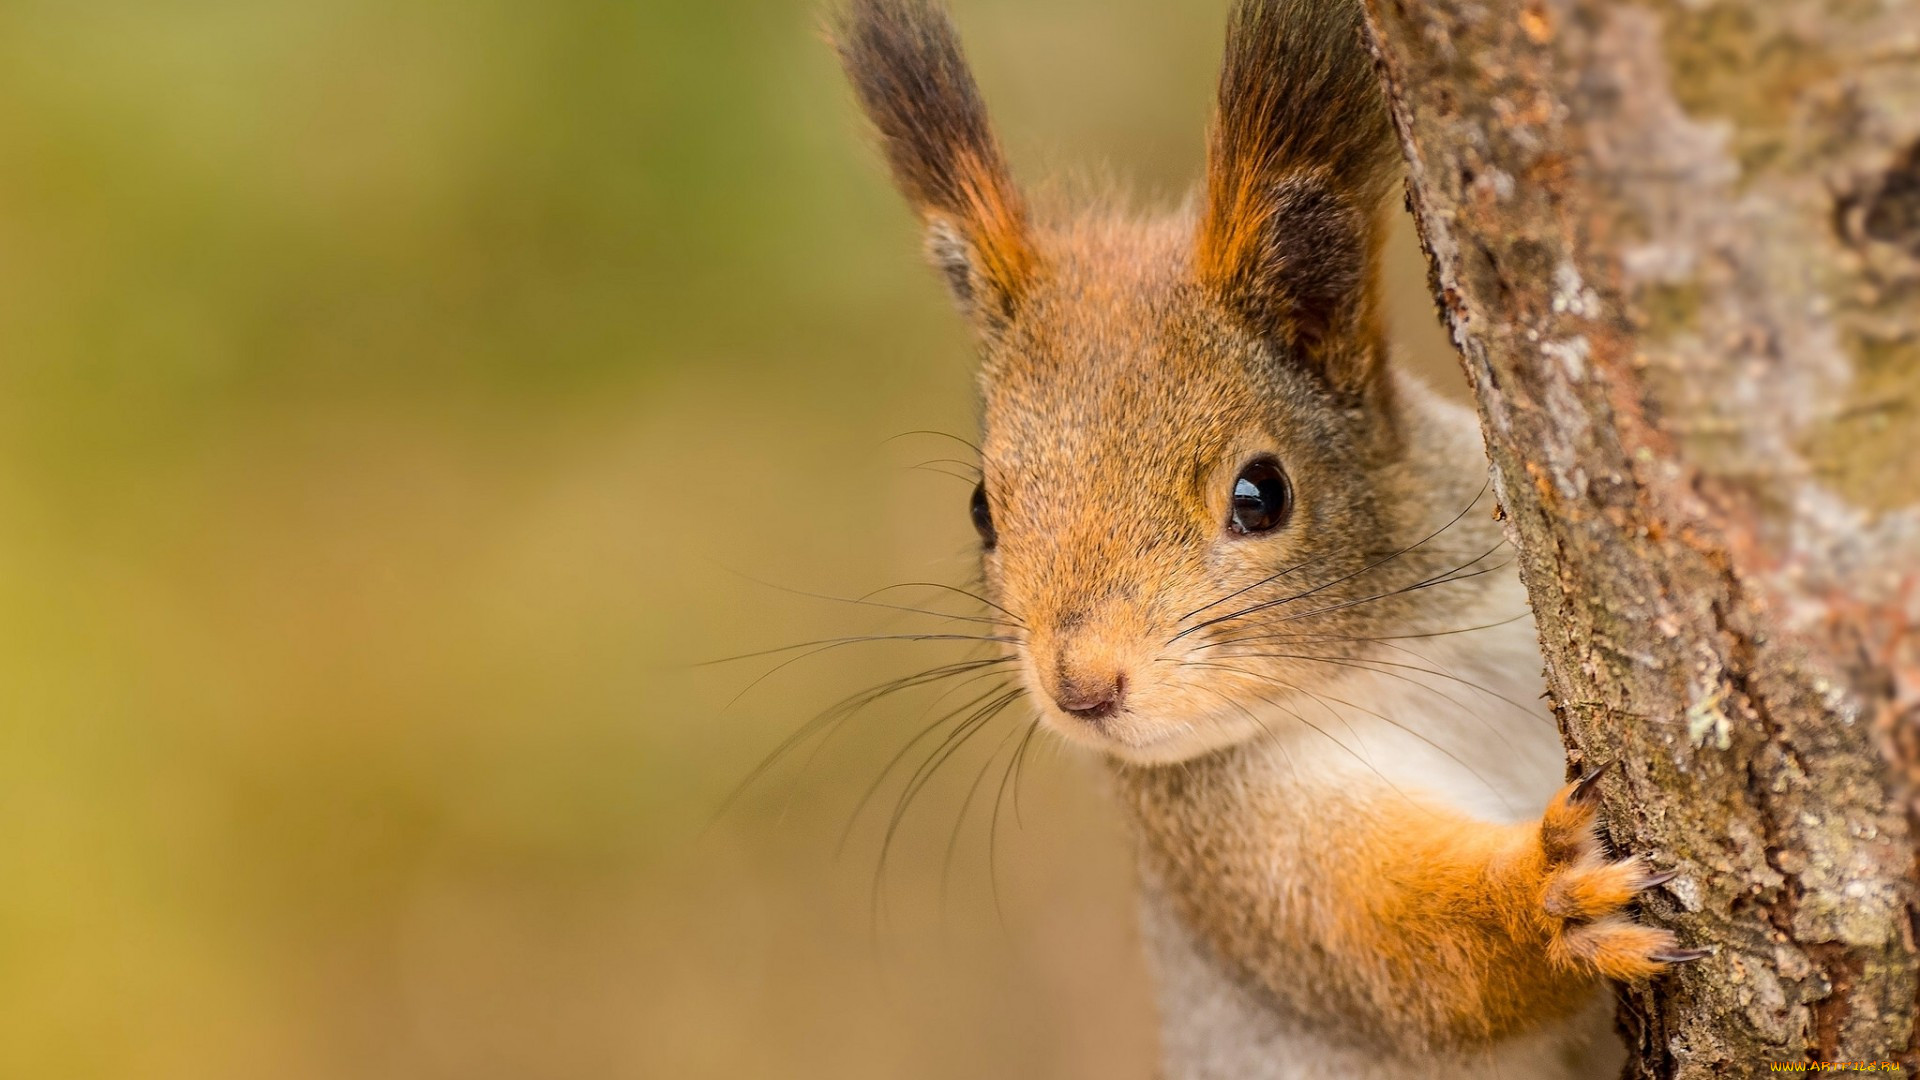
1258,570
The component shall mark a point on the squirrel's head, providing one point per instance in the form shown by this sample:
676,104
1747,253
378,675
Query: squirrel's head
1192,449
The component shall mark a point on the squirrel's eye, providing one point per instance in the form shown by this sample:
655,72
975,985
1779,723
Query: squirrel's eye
1262,498
983,517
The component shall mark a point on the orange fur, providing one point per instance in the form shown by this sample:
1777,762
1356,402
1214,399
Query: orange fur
1431,929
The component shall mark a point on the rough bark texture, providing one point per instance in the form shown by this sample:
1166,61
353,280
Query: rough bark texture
1678,244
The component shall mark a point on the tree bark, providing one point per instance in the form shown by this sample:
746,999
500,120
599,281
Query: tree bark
1678,246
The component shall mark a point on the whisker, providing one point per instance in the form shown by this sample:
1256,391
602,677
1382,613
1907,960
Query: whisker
1017,620
1272,737
824,644
1019,756
928,431
840,711
960,819
1383,718
1371,664
829,646
1335,713
968,480
1376,665
951,461
1477,775
1294,715
954,741
879,781
840,724
1444,578
862,601
1322,557
1448,578
1530,710
1456,519
993,822
1289,639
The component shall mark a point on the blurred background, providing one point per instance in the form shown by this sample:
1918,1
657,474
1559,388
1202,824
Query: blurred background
399,402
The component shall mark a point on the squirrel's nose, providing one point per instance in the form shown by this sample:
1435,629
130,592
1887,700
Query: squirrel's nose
1090,698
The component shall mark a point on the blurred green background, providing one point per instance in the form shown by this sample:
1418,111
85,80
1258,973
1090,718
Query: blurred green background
397,402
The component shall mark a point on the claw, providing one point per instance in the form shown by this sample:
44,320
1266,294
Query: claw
1680,956
1588,789
1653,881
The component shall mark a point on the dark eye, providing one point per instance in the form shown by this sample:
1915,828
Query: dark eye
983,517
1262,498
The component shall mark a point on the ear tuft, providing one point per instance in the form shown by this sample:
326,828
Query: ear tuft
1300,158
906,66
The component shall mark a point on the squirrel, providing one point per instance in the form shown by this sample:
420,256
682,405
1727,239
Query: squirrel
1254,566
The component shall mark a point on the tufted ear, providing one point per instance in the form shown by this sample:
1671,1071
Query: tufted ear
1299,161
904,60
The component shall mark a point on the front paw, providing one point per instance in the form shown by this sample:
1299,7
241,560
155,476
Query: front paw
1583,894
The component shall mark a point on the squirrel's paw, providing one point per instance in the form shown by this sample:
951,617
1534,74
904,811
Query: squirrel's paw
1583,894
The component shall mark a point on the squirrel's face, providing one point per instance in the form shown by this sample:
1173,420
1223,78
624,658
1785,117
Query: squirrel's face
1188,431
1157,482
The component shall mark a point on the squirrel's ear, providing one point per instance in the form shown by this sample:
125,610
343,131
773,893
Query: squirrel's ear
1299,161
905,63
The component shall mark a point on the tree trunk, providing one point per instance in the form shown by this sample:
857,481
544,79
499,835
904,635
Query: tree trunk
1678,246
